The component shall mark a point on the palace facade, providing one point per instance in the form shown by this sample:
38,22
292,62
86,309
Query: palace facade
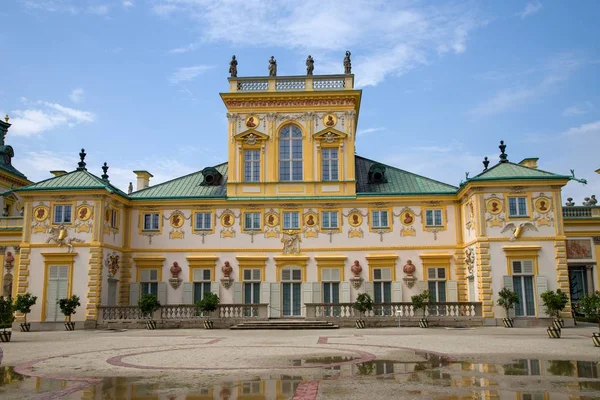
294,217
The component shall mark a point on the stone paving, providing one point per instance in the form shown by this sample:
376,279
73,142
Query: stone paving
303,365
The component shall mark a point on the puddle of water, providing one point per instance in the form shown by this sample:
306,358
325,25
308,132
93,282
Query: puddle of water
532,367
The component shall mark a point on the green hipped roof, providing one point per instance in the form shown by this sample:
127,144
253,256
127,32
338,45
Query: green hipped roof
399,182
188,186
79,179
510,171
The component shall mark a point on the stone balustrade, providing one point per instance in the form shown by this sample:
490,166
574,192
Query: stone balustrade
581,212
291,83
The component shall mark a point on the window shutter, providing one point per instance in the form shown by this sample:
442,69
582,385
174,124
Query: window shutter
214,288
422,286
188,296
307,292
397,292
508,282
265,294
370,289
528,267
345,289
153,275
134,294
386,274
541,285
51,291
317,292
452,287
275,300
162,293
237,293
335,275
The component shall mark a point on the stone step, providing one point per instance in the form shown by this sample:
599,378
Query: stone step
285,325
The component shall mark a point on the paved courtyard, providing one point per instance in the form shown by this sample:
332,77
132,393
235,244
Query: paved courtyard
434,363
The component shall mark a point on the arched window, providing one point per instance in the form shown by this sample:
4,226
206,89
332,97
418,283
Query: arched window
290,154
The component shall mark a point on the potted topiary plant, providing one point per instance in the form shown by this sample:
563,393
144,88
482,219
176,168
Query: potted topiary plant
555,303
148,303
590,306
207,305
6,318
420,301
507,300
67,307
23,304
363,303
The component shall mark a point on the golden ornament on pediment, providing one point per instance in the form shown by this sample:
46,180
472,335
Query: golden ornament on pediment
311,234
39,229
408,232
494,205
355,218
271,234
496,222
227,233
355,233
40,213
87,228
84,212
542,205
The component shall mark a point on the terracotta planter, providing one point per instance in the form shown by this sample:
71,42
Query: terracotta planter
508,322
553,332
423,323
5,336
25,327
70,326
150,324
596,339
360,324
208,324
558,323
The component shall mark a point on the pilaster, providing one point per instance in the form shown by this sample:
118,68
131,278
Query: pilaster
461,275
94,294
125,278
562,272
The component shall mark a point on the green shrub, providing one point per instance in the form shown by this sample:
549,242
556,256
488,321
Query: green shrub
555,302
6,312
148,303
363,303
23,304
507,300
208,304
68,306
419,301
590,306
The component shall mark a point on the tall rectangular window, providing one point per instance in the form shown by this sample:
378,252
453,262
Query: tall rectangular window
291,220
290,154
433,217
436,282
382,285
523,285
379,219
329,220
151,222
203,221
252,221
62,214
251,165
149,281
329,164
251,286
202,279
517,206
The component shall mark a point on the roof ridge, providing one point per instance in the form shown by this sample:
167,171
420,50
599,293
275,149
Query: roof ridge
488,170
408,172
177,178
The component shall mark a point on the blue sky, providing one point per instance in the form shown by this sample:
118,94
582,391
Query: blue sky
136,82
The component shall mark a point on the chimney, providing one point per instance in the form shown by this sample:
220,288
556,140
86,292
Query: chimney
143,179
58,172
529,162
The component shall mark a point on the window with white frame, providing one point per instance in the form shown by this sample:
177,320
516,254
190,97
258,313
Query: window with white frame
379,219
517,206
436,282
433,217
149,281
251,287
202,221
290,154
329,164
382,283
522,276
151,222
329,220
201,278
252,221
62,214
251,387
291,220
252,165
330,278
114,218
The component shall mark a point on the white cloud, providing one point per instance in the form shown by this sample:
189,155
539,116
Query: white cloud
101,9
362,132
51,5
578,109
387,38
533,7
185,74
77,95
554,71
592,129
128,4
42,116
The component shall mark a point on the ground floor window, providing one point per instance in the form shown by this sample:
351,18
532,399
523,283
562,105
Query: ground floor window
578,283
436,284
291,292
149,281
382,290
202,279
523,285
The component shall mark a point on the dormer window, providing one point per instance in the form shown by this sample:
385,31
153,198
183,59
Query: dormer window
377,174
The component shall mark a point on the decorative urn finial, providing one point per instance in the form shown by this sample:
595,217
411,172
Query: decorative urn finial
105,170
6,118
503,155
486,162
81,164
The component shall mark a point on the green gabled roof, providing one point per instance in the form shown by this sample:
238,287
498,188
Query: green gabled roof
188,186
399,182
511,171
79,179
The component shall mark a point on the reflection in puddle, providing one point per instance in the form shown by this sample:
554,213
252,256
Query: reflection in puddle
434,378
